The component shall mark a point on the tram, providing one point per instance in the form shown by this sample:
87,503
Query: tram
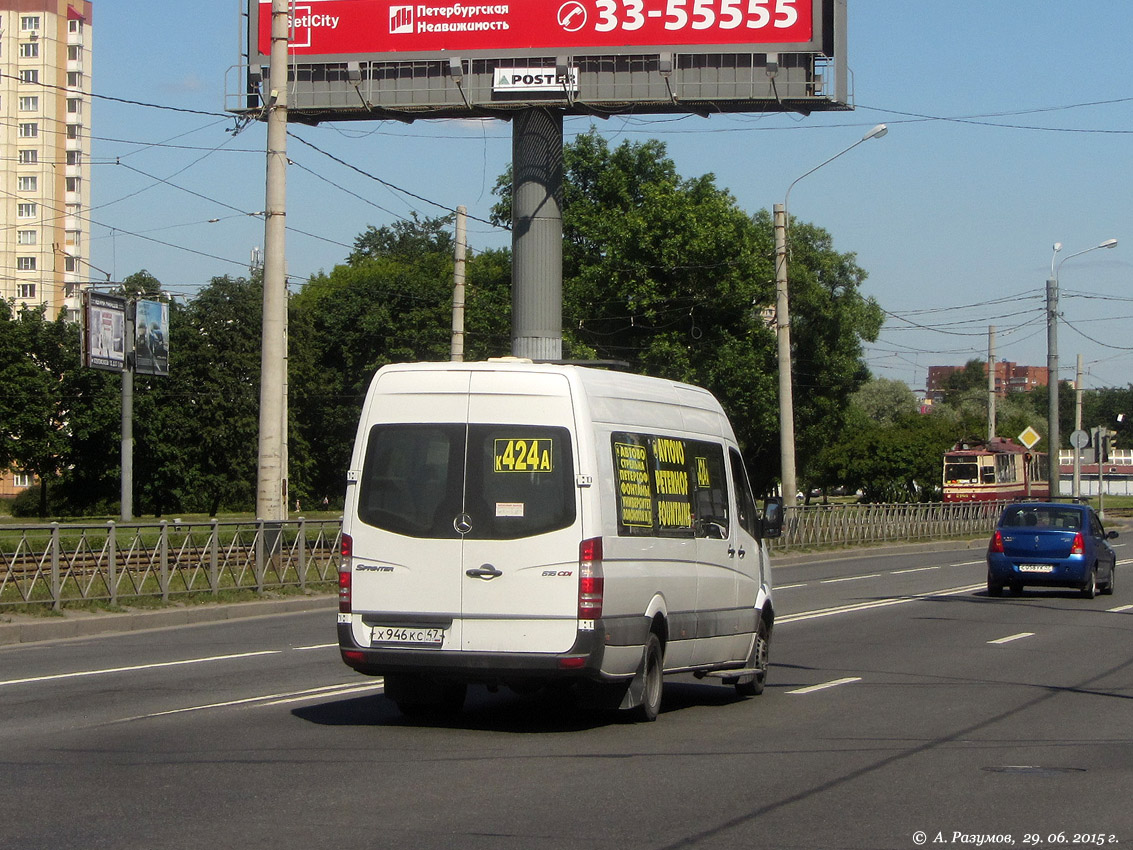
994,470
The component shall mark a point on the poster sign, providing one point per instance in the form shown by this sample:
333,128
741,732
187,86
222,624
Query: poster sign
104,332
635,496
356,27
151,338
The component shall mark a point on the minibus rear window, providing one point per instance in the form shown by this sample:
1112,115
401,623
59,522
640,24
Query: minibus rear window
512,481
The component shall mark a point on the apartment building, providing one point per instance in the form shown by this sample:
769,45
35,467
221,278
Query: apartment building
45,144
1009,378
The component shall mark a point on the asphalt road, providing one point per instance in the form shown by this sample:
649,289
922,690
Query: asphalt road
903,706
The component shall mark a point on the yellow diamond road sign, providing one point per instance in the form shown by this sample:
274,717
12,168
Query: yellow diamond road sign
1030,437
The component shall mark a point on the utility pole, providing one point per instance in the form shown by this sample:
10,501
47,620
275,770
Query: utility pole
1077,488
127,494
990,383
271,489
1052,439
459,253
783,333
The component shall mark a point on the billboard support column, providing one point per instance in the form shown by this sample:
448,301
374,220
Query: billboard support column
537,234
271,489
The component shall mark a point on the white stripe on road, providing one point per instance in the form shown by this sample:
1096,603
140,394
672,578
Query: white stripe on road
1010,638
812,688
865,606
913,570
279,699
136,667
849,578
1120,608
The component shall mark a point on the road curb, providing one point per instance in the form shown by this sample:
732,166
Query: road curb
17,629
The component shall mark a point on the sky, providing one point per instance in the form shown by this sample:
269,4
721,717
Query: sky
1010,129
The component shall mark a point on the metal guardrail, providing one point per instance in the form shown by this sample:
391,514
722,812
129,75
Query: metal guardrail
59,564
854,524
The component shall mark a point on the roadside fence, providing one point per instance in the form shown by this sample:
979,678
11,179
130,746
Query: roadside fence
56,564
855,524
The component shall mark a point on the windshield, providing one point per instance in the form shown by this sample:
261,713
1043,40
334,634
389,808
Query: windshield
961,472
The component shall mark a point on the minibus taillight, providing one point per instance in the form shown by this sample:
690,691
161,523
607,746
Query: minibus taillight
344,571
1079,547
996,543
590,580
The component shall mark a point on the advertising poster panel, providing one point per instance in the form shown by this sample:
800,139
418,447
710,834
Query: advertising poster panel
368,27
151,338
104,337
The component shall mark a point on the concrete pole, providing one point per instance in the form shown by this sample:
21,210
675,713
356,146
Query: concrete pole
271,489
783,333
459,253
1053,439
990,383
537,235
1077,491
127,495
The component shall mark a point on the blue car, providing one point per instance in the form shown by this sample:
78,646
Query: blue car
1050,544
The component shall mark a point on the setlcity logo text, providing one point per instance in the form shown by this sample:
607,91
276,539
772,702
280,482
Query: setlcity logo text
303,21
406,20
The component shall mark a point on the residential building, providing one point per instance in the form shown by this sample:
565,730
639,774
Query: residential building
45,146
1009,378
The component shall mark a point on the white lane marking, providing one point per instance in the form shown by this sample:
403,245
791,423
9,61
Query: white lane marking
293,696
913,570
1120,608
969,563
352,689
864,606
135,667
849,578
315,646
1010,638
812,688
779,587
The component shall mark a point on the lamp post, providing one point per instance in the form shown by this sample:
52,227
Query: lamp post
783,329
1053,440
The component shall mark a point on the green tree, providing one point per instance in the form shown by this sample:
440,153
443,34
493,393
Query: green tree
669,275
885,401
53,411
390,302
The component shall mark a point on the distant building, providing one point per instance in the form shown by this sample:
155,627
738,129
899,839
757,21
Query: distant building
45,145
1009,378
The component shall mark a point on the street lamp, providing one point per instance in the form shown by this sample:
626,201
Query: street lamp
783,329
1052,359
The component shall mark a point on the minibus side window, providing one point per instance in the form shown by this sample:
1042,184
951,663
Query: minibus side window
745,502
669,486
710,491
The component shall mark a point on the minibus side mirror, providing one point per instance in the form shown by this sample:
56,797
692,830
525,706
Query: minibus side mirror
773,518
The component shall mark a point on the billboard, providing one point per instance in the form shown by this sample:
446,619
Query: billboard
104,332
392,27
382,59
151,338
